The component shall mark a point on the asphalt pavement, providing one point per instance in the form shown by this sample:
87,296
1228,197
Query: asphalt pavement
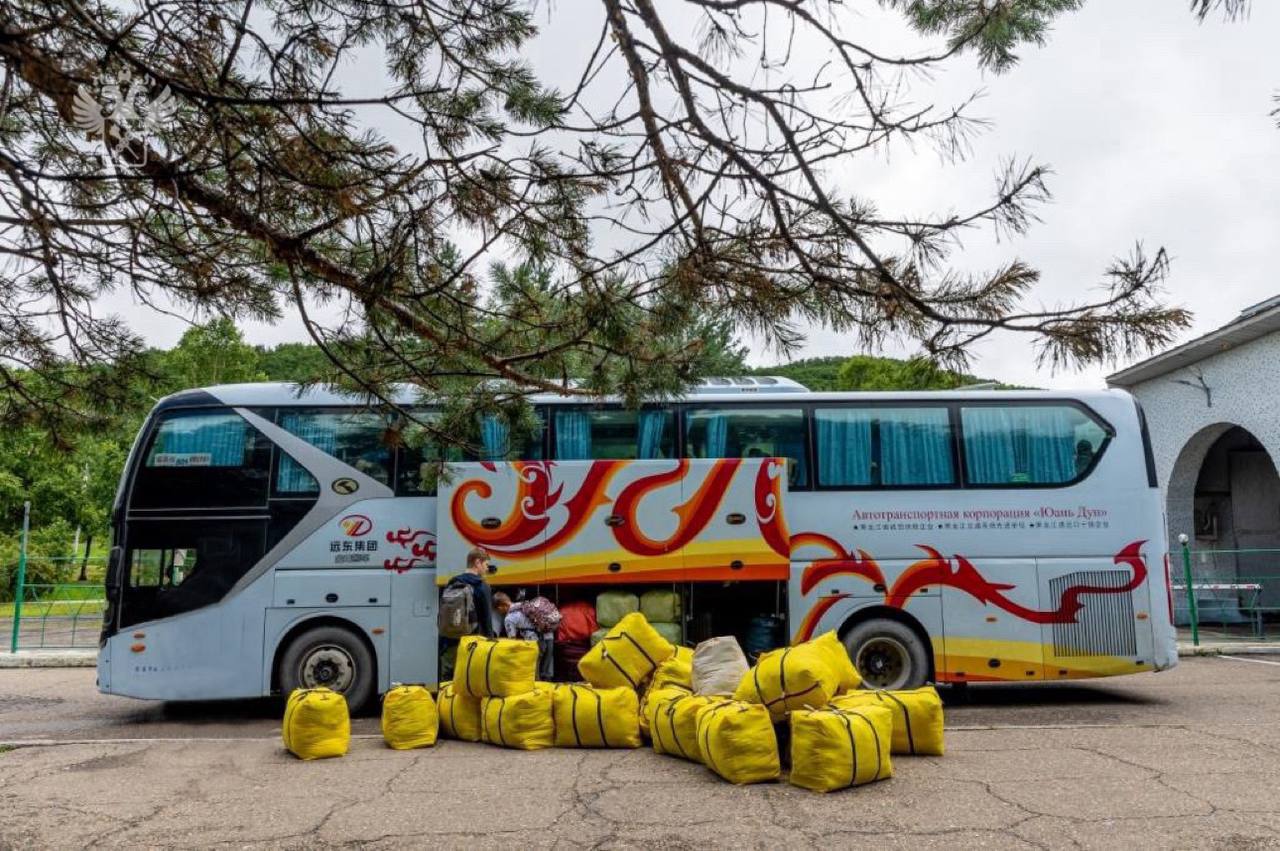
1184,759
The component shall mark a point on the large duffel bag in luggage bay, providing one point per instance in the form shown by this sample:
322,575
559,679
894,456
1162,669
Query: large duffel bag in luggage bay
835,748
589,717
673,722
410,718
917,717
316,724
736,741
495,667
459,714
627,655
799,677
521,721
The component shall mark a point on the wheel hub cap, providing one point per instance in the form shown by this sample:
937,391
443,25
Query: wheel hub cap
328,666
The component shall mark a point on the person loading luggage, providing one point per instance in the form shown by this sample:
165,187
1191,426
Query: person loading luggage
466,608
532,620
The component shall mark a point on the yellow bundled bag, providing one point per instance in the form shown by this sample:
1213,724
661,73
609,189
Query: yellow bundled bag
521,721
589,717
685,655
459,714
628,654
917,717
316,724
675,673
409,718
835,748
652,704
673,723
791,678
837,656
736,741
495,667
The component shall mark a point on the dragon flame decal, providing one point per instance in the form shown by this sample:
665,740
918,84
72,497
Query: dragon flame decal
859,563
937,570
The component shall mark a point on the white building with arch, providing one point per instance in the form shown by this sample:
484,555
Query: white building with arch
1213,409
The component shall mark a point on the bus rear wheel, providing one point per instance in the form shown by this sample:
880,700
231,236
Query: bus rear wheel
888,654
334,658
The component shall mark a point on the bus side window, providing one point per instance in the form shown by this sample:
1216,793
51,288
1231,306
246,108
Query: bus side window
890,447
1029,445
203,459
749,433
356,438
614,435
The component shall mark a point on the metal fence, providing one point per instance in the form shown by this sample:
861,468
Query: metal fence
50,608
1227,594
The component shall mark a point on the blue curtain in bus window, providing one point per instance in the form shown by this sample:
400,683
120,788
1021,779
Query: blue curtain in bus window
320,430
495,435
844,447
717,443
573,435
652,432
223,437
915,447
1019,444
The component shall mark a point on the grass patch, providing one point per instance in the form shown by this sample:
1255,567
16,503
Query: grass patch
4,749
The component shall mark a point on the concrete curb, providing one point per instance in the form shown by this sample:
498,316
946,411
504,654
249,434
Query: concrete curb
1228,648
49,659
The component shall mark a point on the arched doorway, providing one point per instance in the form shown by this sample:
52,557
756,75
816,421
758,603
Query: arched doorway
1224,493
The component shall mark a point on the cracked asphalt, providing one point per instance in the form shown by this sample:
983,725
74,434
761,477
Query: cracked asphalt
1184,759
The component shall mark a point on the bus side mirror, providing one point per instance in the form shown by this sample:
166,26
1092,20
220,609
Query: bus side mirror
115,563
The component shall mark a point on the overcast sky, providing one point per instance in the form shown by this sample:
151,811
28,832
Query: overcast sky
1156,127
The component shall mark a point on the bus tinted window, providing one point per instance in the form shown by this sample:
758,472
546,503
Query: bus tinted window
623,435
863,447
203,459
498,444
748,433
1028,444
357,438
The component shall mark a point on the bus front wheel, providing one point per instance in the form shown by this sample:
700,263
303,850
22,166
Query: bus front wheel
334,658
888,654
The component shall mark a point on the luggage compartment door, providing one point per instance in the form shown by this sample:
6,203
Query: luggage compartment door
735,524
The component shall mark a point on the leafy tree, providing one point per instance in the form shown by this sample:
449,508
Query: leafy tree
214,353
863,372
218,156
299,362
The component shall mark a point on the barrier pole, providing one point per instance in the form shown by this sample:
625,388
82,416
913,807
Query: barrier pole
1191,591
18,589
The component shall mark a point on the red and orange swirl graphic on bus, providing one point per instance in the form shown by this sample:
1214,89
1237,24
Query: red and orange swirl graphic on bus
693,514
937,570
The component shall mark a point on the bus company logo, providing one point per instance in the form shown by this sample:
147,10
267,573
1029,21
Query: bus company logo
345,486
356,525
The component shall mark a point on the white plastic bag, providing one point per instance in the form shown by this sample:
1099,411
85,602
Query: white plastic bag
718,665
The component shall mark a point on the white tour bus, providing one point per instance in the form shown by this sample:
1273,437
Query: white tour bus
267,537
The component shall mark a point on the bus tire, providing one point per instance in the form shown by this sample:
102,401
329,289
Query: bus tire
333,657
888,654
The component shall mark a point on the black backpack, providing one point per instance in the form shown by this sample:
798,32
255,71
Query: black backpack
457,614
